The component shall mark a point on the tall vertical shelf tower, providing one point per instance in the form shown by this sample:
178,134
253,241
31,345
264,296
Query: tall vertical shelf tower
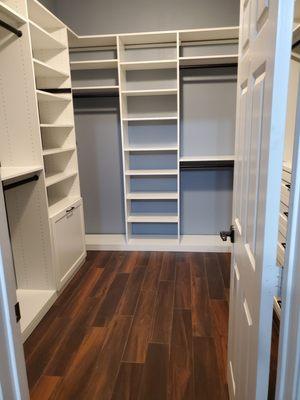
161,139
39,170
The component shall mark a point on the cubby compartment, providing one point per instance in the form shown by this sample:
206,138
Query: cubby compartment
95,78
209,48
57,139
92,55
205,201
208,112
59,167
154,230
62,194
153,207
151,160
56,112
151,107
152,184
156,79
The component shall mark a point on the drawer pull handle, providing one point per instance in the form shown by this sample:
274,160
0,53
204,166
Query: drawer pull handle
283,245
286,214
68,210
288,186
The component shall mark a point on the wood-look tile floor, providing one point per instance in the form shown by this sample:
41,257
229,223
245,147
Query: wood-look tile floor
138,326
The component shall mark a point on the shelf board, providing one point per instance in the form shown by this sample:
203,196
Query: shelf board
52,179
43,70
42,40
141,65
152,196
161,118
43,17
58,150
208,60
151,172
151,149
62,126
33,305
155,92
206,158
11,16
95,90
149,37
192,35
17,172
44,96
158,218
94,64
85,41
56,205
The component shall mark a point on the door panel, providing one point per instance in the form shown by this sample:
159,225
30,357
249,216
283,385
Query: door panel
261,105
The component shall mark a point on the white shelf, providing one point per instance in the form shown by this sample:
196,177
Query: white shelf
141,65
43,70
17,172
152,196
62,126
95,89
56,205
151,149
52,179
155,92
58,150
33,306
160,218
94,64
161,118
42,40
10,14
43,96
84,41
151,172
43,17
208,60
222,33
149,37
207,158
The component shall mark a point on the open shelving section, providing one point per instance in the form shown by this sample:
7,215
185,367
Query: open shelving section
147,72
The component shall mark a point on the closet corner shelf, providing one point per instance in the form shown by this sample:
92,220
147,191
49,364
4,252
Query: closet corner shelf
150,149
42,40
17,172
155,92
59,204
151,172
94,64
44,96
87,90
208,60
8,13
58,150
43,17
43,70
54,178
152,196
160,218
85,41
141,65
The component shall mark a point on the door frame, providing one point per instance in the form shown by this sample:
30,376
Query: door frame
8,299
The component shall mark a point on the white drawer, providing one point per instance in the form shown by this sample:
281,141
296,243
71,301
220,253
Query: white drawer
68,241
285,193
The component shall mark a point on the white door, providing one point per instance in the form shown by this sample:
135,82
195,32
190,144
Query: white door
264,54
13,380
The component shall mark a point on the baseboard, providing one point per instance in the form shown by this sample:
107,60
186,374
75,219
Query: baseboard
187,243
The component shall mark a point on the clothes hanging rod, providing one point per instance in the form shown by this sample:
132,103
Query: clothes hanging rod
206,165
232,65
10,28
20,183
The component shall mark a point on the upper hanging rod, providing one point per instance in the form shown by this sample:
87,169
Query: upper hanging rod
10,28
19,183
207,164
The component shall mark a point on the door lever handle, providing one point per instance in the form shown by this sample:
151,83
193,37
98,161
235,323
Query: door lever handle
228,234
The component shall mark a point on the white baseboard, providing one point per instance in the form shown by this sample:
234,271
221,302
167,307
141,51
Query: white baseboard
188,243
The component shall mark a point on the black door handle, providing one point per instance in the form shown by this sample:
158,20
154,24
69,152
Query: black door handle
228,234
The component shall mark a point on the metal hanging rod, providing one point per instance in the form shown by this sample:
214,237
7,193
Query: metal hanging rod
206,165
20,183
11,28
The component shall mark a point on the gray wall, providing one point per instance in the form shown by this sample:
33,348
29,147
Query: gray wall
117,16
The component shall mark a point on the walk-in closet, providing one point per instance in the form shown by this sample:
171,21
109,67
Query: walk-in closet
138,157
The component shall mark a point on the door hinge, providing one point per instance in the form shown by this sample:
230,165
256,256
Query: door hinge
228,234
17,312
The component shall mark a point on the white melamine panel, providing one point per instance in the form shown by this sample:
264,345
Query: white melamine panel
93,64
141,65
153,218
68,240
86,90
208,60
7,173
43,17
152,196
152,172
43,40
230,32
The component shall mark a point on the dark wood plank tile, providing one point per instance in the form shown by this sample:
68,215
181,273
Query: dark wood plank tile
130,262
224,263
221,349
220,316
143,258
110,302
45,387
102,380
182,285
128,382
168,267
214,277
208,384
102,259
141,328
132,292
201,312
155,373
161,331
180,385
197,265
74,383
152,274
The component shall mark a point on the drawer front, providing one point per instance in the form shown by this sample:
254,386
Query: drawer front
69,245
285,193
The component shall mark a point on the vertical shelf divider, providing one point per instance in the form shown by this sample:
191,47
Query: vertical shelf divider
178,131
